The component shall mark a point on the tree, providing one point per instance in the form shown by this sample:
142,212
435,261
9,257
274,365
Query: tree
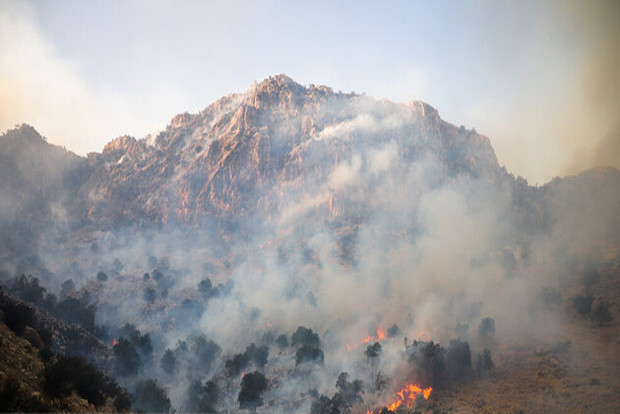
349,393
324,405
149,397
459,357
487,327
127,359
102,277
305,336
484,363
282,341
252,387
309,353
373,351
168,362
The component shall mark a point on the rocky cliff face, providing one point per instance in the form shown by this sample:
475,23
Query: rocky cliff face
264,149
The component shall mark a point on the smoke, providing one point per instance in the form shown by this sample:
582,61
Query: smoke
374,231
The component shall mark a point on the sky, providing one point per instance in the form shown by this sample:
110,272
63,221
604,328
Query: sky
539,78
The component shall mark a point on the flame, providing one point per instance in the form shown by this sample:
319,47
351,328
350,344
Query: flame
407,396
381,335
115,342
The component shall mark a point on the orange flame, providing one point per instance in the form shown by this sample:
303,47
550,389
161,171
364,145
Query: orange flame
381,335
115,342
407,396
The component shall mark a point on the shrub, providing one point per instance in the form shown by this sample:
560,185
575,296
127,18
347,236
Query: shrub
72,310
324,405
127,359
102,277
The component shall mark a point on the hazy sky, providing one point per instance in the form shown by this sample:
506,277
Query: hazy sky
541,79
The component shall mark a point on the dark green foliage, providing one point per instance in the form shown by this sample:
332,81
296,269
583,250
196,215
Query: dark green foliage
459,357
72,310
324,405
142,342
601,314
202,398
17,316
487,327
282,341
168,362
74,373
583,304
349,393
205,351
252,387
309,353
102,277
149,397
305,336
373,351
126,358
394,331
484,363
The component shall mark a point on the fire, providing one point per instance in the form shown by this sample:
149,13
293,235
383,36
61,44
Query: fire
381,335
115,342
406,396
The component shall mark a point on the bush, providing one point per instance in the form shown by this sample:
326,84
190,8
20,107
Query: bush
430,358
305,336
102,277
349,393
205,351
252,387
394,331
149,397
309,353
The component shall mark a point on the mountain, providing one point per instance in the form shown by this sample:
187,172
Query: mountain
289,206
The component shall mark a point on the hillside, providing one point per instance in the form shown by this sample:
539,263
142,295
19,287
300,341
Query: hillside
341,246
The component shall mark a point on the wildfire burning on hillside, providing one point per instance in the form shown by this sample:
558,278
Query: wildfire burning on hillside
406,396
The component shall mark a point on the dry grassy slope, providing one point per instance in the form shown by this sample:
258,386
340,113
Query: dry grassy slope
20,361
551,377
